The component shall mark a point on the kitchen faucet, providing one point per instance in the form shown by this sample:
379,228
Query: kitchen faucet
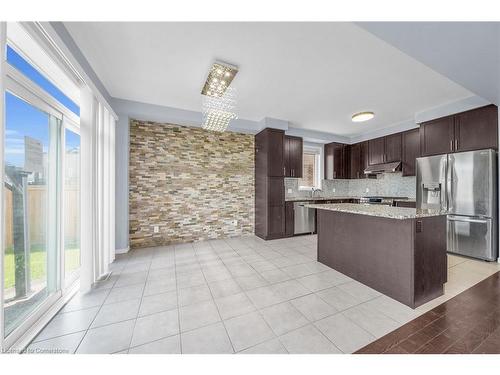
313,191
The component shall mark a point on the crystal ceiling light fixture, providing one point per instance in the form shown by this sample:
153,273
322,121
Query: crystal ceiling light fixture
219,100
362,116
219,78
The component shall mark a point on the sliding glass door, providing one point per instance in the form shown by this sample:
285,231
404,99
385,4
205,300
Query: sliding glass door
31,180
71,204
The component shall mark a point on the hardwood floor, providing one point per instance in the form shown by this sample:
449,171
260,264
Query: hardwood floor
467,323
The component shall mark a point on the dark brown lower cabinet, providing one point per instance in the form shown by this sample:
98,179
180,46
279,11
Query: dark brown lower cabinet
289,219
276,222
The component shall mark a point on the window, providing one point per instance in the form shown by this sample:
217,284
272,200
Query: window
17,61
310,169
71,204
41,188
30,215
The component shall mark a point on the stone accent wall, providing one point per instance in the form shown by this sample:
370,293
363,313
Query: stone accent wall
191,183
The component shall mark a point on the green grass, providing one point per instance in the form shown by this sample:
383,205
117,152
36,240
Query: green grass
38,261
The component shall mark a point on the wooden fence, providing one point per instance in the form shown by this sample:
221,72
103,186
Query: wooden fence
37,198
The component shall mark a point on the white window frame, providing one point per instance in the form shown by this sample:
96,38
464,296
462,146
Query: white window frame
316,150
19,85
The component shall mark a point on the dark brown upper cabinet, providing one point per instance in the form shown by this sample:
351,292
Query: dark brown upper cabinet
436,136
376,150
477,129
358,160
293,150
471,130
354,160
384,149
335,161
392,148
411,151
275,155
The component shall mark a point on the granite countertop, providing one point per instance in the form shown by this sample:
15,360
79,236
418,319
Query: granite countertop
405,200
400,213
306,199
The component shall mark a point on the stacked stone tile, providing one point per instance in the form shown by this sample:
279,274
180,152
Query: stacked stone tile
191,183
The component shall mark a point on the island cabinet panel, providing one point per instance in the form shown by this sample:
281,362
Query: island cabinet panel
429,259
376,150
395,257
411,151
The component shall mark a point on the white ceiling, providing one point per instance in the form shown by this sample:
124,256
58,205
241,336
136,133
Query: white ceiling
315,75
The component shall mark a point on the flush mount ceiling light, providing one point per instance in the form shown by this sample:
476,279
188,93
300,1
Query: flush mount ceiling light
219,100
362,116
219,78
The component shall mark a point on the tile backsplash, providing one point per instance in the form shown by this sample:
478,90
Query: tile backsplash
387,184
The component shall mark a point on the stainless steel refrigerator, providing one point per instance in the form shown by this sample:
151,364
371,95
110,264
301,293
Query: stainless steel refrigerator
464,184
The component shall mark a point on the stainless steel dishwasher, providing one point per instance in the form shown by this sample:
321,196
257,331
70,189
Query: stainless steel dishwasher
305,218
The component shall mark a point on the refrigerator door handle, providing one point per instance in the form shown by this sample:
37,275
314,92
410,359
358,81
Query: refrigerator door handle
449,183
467,219
444,184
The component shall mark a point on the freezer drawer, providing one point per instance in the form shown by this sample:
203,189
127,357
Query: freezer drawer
471,236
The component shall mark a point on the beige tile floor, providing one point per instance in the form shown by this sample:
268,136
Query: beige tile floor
240,295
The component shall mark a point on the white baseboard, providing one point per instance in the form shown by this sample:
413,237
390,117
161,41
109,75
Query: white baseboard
122,251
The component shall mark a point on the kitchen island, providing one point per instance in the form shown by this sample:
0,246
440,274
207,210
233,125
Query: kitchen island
400,252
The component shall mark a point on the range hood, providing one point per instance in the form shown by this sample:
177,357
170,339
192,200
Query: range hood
383,168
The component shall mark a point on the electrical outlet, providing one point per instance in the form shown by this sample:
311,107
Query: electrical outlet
367,190
289,191
156,229
235,222
333,190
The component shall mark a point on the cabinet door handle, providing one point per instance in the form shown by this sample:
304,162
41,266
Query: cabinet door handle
451,145
456,144
284,171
